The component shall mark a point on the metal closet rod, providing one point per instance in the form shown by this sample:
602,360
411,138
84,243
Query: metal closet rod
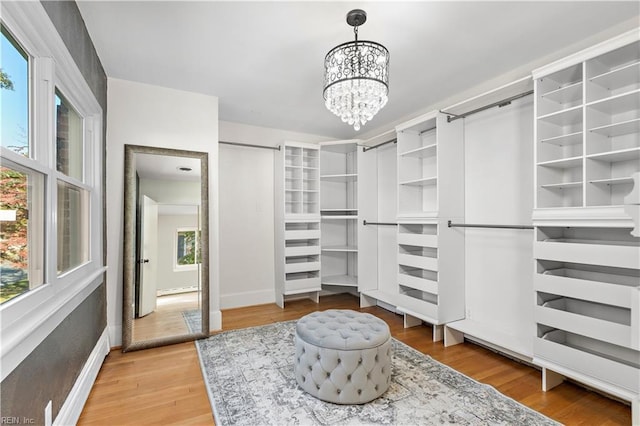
249,145
365,223
472,225
451,117
367,148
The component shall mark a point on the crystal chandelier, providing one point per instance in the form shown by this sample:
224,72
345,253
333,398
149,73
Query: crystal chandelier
356,77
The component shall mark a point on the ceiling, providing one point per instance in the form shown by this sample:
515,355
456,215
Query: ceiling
264,60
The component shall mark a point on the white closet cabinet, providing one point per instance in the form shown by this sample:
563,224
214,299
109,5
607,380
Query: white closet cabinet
429,282
297,224
587,263
339,214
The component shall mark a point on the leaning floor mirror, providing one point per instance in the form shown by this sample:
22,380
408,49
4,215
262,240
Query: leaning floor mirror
166,247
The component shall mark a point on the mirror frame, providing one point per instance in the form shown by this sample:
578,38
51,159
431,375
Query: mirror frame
129,248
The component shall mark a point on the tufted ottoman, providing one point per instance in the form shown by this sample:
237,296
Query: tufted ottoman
343,356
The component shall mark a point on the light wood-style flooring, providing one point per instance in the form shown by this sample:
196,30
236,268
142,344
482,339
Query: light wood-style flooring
167,319
164,386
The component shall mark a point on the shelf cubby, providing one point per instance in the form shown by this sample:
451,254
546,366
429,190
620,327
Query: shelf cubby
560,91
339,214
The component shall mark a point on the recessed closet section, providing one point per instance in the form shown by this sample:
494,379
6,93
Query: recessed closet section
498,182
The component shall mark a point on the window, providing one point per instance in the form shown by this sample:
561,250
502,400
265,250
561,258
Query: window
72,227
14,95
187,248
50,181
21,230
69,138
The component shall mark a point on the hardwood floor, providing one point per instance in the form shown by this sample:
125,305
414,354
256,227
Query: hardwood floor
167,319
165,385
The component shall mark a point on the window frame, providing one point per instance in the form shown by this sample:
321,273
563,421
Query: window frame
28,319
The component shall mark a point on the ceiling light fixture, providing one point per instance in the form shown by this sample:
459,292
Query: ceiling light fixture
356,76
184,169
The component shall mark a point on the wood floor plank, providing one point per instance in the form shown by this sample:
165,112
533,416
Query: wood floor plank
164,386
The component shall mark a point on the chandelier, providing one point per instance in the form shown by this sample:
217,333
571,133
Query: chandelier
356,76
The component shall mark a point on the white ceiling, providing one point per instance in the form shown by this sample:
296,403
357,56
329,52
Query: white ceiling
167,167
264,60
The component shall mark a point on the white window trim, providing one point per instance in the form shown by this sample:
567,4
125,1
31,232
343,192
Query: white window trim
28,319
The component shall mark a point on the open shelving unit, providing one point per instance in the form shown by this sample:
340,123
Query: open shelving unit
587,130
298,251
339,215
587,263
429,282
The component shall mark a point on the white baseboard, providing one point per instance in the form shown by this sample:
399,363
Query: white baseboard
247,298
72,408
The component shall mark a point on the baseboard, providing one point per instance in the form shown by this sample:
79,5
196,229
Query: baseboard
247,298
215,320
72,408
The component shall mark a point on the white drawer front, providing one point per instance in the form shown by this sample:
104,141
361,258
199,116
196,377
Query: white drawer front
302,285
306,234
593,254
595,328
301,267
302,251
422,262
420,240
418,283
596,291
606,370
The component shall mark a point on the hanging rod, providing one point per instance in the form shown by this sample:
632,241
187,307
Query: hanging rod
427,130
451,117
249,145
365,223
471,225
367,148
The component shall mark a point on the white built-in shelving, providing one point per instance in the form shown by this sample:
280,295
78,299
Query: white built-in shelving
339,215
587,262
298,250
429,282
587,130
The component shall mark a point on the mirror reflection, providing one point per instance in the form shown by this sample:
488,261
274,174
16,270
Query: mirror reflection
165,265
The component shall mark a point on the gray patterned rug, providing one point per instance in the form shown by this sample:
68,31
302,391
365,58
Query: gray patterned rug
250,381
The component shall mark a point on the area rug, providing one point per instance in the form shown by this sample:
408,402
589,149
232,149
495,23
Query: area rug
250,381
193,320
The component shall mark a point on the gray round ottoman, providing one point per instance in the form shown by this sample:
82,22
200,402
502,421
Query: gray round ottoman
343,356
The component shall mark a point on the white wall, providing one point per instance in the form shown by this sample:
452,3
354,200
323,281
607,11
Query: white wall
499,190
142,114
171,191
168,276
247,212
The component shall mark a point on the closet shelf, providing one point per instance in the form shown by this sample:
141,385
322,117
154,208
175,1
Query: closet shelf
342,249
618,104
616,156
423,151
574,138
612,181
348,177
565,117
618,129
571,92
563,163
427,181
562,185
340,280
618,77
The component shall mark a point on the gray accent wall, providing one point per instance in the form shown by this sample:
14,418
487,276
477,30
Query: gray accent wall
51,370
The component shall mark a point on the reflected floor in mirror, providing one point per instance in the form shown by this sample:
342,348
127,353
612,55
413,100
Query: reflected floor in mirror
168,319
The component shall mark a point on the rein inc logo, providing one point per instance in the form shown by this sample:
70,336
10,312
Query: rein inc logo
10,420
